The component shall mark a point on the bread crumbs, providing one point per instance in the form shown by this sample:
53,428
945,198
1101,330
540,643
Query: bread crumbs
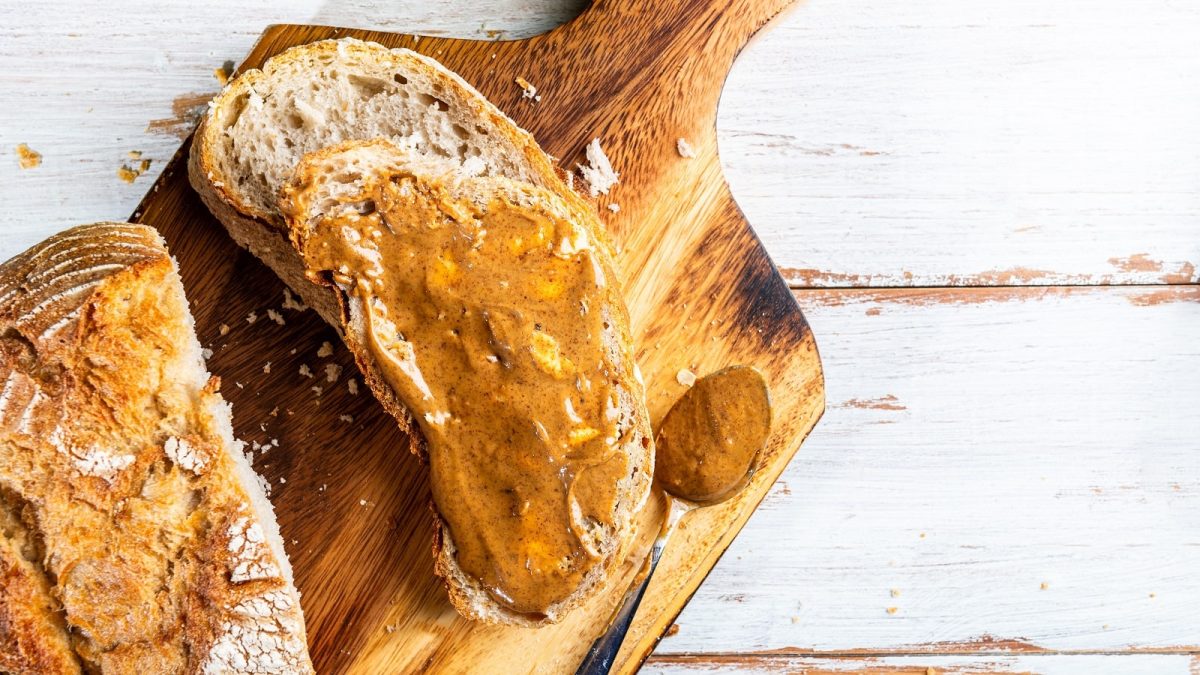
305,370
528,90
685,377
352,385
685,149
27,157
349,419
317,389
892,610
275,316
223,329
325,350
252,317
267,367
129,173
599,172
332,372
614,207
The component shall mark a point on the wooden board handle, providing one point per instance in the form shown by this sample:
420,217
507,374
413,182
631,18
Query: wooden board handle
620,43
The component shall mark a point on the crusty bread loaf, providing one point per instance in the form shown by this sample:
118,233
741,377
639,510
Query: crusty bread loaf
134,535
335,181
313,96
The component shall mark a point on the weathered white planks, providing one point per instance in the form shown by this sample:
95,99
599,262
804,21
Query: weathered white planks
940,142
980,443
928,142
1051,664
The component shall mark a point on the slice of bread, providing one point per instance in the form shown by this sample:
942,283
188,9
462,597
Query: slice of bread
313,96
346,179
134,535
317,95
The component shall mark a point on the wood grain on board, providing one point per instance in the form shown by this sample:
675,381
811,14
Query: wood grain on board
701,291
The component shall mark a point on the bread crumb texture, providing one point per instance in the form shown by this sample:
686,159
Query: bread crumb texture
132,536
27,157
684,149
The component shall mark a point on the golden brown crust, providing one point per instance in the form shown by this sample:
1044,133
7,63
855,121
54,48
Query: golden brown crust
118,444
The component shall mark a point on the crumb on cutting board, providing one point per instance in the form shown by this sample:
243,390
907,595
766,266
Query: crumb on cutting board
599,172
685,149
27,157
685,377
528,90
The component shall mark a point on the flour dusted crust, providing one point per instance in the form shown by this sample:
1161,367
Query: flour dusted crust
134,537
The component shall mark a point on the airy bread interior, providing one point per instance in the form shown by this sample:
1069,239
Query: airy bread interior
319,95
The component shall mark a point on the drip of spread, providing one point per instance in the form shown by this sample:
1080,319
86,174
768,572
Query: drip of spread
710,442
490,320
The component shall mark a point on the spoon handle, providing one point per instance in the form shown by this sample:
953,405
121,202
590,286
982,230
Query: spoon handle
603,652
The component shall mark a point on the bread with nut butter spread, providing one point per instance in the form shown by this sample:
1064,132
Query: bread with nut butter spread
489,309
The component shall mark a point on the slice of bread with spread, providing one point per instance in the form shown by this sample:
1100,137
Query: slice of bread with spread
134,535
488,308
462,159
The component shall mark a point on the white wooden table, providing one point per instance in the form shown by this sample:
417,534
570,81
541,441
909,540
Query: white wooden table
990,212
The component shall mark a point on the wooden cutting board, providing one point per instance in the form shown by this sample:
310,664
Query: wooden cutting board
353,505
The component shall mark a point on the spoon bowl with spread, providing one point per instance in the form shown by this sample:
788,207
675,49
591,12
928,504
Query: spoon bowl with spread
707,449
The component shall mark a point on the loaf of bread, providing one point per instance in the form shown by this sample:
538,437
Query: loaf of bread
134,535
418,121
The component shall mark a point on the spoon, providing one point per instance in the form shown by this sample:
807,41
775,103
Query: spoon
707,449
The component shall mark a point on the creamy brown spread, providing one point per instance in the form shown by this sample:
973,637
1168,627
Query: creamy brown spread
490,319
709,443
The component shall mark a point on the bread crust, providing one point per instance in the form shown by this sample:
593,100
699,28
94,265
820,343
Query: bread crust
140,520
261,232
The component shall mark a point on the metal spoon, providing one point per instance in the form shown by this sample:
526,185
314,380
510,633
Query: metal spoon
708,447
